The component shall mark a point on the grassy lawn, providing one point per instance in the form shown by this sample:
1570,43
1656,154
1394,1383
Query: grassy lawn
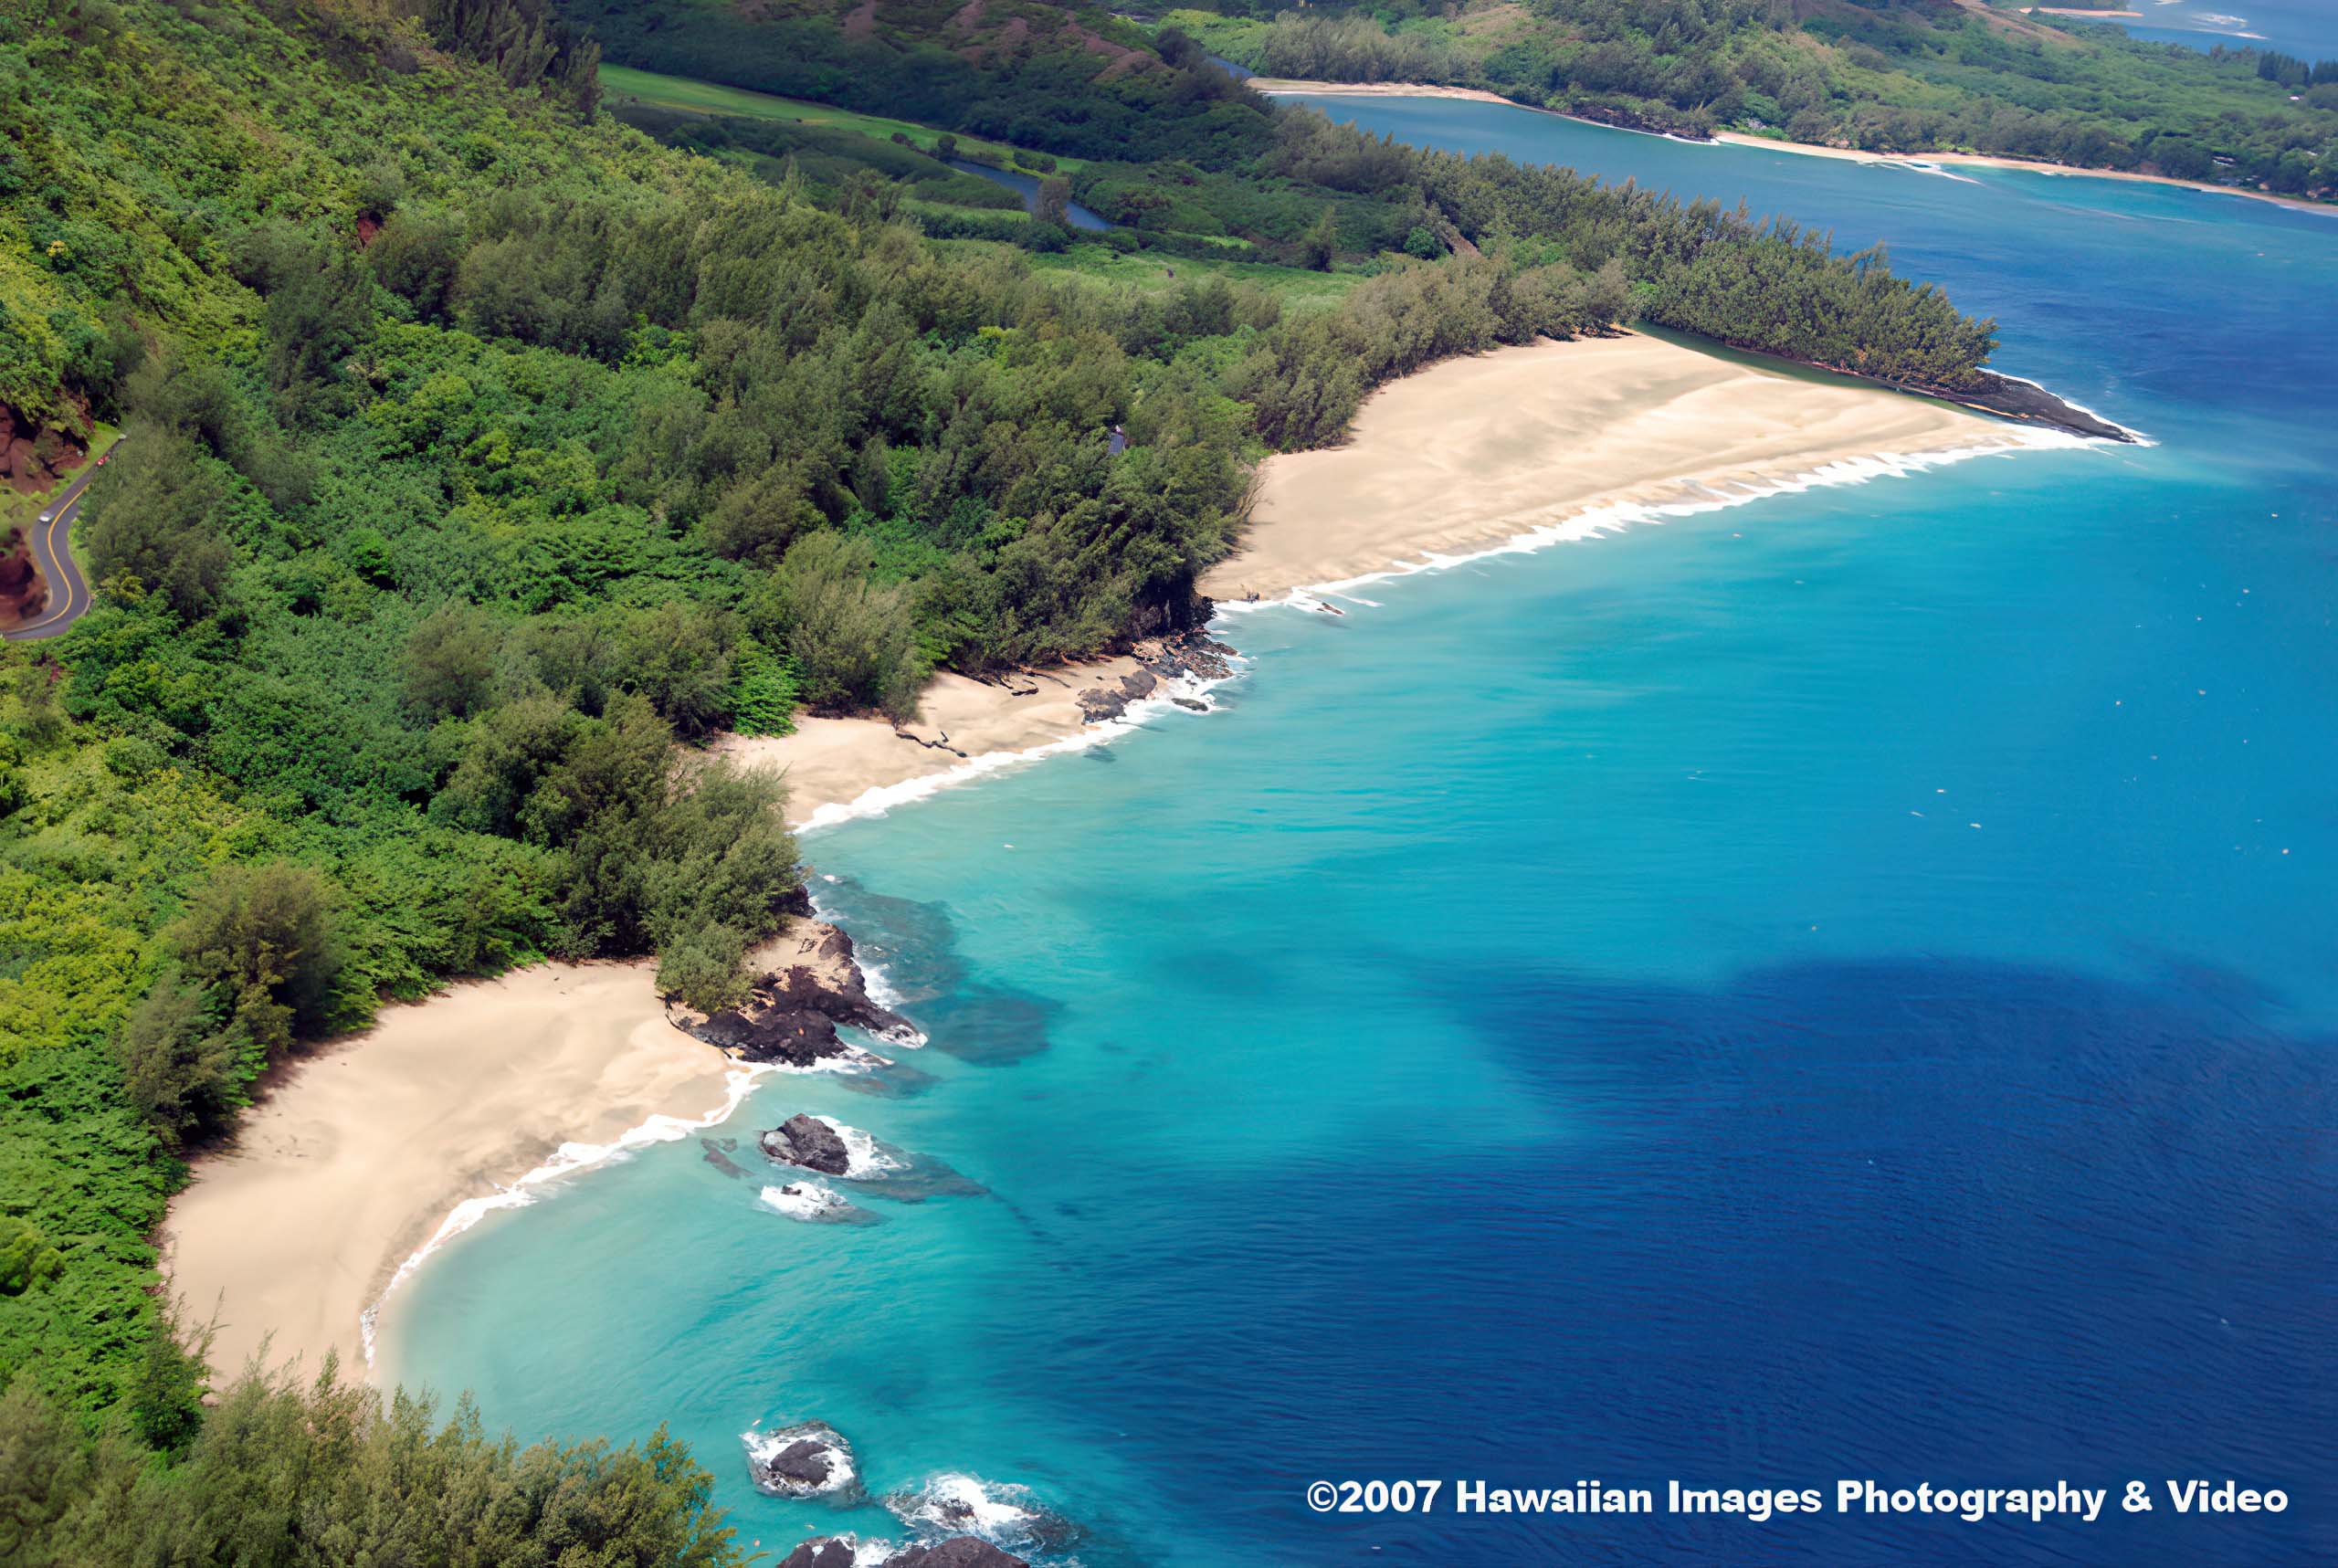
1297,288
618,82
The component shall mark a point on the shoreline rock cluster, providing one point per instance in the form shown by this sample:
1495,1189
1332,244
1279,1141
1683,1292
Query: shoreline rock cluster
955,1519
814,987
1186,656
2030,403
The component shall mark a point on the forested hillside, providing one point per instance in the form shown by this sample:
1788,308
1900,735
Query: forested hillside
1185,160
1882,75
484,456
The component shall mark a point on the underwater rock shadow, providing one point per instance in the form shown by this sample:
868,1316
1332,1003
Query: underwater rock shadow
911,947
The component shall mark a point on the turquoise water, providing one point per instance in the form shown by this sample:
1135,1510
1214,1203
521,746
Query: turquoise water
1838,987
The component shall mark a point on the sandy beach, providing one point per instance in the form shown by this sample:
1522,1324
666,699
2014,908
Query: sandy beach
833,763
1474,452
1986,161
355,1155
1280,85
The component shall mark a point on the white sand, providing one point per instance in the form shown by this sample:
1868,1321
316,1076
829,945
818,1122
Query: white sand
1472,452
834,762
356,1155
1280,86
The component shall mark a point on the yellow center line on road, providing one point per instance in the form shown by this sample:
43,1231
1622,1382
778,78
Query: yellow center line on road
58,558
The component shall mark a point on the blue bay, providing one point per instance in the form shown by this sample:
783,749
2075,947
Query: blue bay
1841,986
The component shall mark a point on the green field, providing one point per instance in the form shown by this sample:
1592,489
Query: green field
620,83
1295,286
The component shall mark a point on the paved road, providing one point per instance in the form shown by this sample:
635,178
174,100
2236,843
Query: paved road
68,595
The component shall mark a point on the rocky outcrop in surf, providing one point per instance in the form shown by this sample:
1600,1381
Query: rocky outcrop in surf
1193,656
824,1551
958,1552
805,1461
809,1142
1002,1515
1101,702
812,988
817,1204
2010,397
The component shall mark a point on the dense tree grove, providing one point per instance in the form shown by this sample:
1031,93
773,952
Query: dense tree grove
1905,77
524,40
1299,190
484,458
1696,266
331,1476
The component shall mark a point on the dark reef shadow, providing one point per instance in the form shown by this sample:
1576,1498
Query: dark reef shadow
914,945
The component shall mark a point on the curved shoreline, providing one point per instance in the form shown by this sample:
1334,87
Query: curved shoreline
491,1092
1287,87
570,1159
360,1155
1554,442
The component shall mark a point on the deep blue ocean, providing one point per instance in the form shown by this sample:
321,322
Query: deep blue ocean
1840,987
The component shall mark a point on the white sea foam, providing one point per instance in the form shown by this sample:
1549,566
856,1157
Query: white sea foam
1926,166
879,983
1596,521
873,1553
958,1504
805,1200
567,1161
882,798
851,1061
863,1158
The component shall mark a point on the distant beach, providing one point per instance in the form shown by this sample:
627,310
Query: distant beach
1285,87
1987,160
1279,86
